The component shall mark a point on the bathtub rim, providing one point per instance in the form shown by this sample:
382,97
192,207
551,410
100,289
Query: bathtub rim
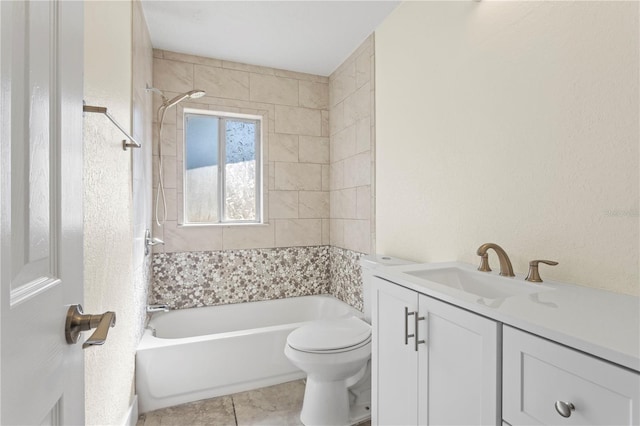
149,341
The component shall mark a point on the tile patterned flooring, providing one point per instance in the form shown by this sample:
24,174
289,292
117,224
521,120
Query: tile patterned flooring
277,405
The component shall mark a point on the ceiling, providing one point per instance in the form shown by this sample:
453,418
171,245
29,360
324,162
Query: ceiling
306,36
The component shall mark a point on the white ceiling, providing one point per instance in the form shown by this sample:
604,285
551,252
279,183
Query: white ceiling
305,36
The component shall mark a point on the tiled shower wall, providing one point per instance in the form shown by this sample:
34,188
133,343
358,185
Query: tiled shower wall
295,129
314,238
351,124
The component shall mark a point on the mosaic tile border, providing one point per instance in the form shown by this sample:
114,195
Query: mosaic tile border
346,276
193,279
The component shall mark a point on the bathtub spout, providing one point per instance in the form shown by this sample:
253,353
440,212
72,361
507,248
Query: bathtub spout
157,308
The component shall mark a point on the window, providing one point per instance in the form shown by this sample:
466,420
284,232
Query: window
222,168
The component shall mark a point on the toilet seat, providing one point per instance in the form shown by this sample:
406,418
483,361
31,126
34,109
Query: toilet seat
331,336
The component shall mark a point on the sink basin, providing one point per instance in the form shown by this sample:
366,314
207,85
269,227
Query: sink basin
481,284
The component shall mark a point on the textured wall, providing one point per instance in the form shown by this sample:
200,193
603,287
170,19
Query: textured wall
141,168
351,124
294,108
118,60
511,122
109,369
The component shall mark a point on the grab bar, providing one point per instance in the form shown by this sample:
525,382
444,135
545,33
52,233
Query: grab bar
102,110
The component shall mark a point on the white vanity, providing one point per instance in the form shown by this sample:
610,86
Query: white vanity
452,345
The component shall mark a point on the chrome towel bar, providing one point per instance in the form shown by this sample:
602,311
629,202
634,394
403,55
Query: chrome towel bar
102,110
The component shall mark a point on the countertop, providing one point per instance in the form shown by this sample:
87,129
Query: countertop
598,322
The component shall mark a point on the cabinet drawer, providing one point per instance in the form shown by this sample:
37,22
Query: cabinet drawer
537,373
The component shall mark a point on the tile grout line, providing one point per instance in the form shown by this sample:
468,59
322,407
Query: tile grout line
235,415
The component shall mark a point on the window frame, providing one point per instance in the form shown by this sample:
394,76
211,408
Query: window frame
222,146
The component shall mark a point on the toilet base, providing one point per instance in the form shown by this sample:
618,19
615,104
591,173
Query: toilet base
337,403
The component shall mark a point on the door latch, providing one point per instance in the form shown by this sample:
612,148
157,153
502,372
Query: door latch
78,322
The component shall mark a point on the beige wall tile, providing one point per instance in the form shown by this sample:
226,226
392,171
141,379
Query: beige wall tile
357,170
357,235
343,204
169,165
325,123
336,232
313,204
283,204
298,232
172,76
194,238
326,181
357,105
298,176
168,139
175,56
363,69
343,84
299,121
172,206
222,83
343,144
248,68
283,147
157,53
363,135
326,232
336,175
313,149
363,197
336,118
301,76
250,236
314,95
271,89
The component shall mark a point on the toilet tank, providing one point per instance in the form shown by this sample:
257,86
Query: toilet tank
369,264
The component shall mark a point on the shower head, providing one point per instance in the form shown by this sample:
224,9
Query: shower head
193,94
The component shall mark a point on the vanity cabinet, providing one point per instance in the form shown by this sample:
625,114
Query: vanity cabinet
432,363
539,375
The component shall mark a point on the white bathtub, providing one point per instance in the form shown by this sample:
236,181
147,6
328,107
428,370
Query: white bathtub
192,354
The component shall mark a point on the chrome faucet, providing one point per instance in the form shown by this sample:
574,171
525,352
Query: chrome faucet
157,308
506,269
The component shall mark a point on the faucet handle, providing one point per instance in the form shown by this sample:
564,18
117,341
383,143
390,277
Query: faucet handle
533,275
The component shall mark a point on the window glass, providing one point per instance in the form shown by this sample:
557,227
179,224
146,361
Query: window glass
222,168
240,170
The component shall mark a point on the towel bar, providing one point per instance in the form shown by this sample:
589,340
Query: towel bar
102,110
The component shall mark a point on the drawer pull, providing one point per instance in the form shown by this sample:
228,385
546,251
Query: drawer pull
564,408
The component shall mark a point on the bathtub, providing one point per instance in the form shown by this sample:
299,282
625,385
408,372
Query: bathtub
192,354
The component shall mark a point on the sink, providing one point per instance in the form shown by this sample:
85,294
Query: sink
481,284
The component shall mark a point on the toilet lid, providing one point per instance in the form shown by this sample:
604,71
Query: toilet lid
327,335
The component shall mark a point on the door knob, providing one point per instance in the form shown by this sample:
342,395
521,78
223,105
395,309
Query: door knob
78,322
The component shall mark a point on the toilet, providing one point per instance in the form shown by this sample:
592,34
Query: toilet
336,355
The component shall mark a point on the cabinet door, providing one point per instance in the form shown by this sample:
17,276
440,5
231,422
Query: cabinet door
394,361
458,366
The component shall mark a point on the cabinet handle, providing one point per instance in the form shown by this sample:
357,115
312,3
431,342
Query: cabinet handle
406,325
416,320
565,408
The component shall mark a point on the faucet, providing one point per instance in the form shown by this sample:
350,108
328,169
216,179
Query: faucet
157,308
505,264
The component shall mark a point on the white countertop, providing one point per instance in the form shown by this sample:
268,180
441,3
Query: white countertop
598,322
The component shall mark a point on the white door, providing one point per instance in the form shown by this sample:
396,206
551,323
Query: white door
459,366
394,360
41,272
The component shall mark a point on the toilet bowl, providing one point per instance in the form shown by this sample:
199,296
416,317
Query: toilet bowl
335,355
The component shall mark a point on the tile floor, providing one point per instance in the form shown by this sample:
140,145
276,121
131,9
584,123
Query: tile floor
277,405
